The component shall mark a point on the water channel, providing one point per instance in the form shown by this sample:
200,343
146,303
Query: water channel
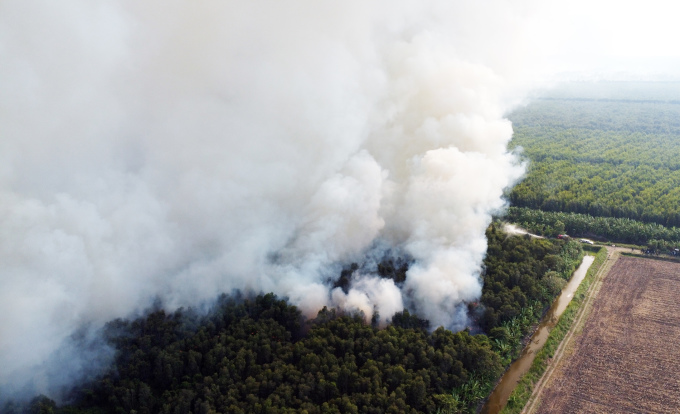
500,394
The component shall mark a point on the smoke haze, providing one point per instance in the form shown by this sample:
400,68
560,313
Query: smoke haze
177,150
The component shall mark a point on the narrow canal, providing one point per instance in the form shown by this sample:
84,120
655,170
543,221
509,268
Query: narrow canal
500,394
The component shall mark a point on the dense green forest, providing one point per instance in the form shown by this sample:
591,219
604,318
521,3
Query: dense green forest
522,277
259,355
604,157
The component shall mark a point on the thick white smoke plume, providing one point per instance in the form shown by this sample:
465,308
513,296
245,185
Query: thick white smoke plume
180,149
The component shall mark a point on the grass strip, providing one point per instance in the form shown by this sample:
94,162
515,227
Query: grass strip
520,395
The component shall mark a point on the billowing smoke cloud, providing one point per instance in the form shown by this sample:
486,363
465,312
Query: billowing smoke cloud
177,150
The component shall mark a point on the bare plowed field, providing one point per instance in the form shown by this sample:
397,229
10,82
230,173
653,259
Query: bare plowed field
627,360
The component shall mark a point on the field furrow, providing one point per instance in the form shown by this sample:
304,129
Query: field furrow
627,358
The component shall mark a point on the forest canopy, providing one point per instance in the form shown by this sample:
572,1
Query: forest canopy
259,355
602,157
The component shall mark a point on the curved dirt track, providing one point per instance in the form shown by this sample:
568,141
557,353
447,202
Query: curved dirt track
620,354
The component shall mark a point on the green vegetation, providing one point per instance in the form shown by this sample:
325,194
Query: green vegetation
602,157
604,163
522,392
247,358
260,356
522,278
583,225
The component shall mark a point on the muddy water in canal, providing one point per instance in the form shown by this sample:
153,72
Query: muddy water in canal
500,394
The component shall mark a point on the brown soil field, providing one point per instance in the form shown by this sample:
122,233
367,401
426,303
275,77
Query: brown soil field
627,358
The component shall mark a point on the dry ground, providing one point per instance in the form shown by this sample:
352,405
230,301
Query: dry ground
627,358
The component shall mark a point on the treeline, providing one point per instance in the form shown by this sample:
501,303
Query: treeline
602,158
626,116
601,188
522,277
579,144
615,91
620,230
260,356
250,357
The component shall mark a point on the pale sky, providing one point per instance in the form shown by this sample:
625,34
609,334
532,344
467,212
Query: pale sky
608,38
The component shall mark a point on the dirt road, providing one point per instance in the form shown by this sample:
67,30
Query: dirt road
613,253
619,354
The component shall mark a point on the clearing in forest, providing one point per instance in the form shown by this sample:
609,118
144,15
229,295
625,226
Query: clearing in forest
627,358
